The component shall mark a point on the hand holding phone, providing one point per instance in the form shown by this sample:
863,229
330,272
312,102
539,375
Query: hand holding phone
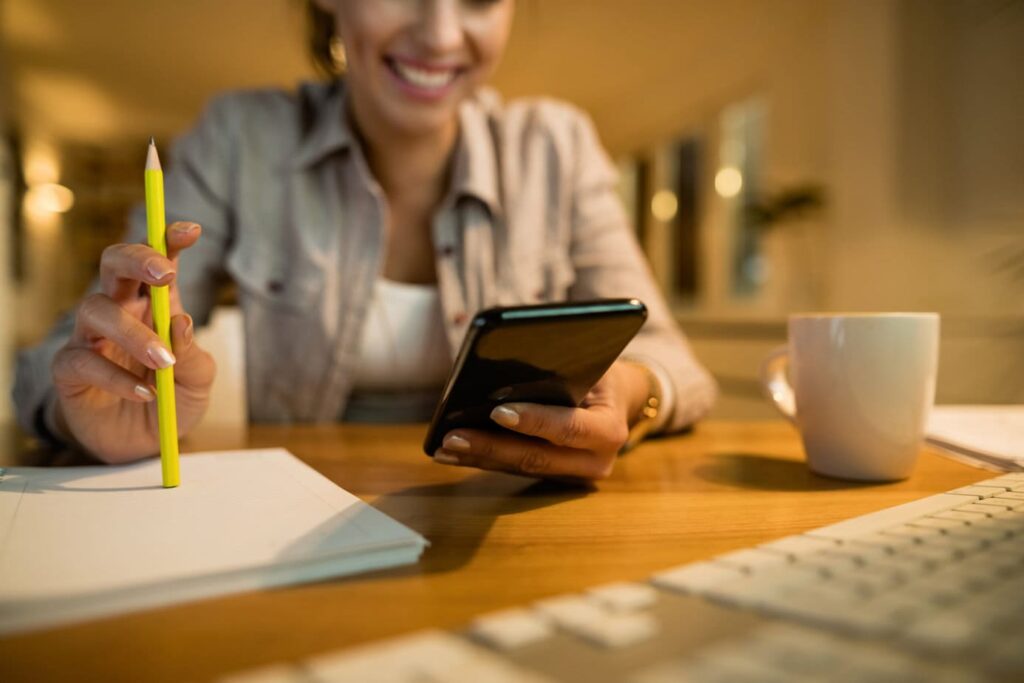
534,390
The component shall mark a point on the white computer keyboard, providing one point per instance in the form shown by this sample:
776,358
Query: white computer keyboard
931,590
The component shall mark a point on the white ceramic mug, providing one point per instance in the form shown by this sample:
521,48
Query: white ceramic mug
862,387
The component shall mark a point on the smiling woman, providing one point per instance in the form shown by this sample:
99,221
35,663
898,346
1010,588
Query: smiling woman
365,219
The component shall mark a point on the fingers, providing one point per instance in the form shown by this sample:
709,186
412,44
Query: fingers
100,317
598,427
180,236
124,266
196,368
532,457
76,369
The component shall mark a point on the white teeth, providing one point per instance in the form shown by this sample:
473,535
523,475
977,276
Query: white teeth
422,78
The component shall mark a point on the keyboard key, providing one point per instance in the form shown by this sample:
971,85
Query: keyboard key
980,491
866,582
752,559
617,630
795,546
933,554
829,563
624,597
695,578
959,516
964,543
432,656
917,534
888,542
936,523
753,592
930,593
985,507
1008,479
566,611
857,554
996,501
899,608
942,633
510,629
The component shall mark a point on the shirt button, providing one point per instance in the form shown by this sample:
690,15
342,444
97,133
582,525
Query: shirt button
275,286
460,318
447,250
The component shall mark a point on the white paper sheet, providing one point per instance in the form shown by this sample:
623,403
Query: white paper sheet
80,542
989,434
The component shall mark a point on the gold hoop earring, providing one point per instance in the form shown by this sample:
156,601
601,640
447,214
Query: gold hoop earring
338,54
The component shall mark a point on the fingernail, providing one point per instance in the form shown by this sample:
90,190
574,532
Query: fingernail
446,458
161,356
454,442
144,392
187,332
187,228
158,270
505,416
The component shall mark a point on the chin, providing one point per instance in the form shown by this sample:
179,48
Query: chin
417,119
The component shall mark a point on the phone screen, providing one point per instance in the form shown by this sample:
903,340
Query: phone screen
548,354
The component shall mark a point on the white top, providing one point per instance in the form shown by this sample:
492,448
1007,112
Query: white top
404,345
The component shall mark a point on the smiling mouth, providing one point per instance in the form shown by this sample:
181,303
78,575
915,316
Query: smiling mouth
430,79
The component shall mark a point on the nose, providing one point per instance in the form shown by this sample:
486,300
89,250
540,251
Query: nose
441,25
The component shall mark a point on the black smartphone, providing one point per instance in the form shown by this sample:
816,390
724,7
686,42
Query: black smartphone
549,353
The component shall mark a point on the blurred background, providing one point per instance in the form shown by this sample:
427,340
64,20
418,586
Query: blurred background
777,155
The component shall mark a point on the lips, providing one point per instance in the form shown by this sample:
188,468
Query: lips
422,79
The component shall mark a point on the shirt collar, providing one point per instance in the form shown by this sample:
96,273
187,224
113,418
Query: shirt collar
325,120
476,167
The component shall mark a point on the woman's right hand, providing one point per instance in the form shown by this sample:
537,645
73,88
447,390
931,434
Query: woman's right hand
105,375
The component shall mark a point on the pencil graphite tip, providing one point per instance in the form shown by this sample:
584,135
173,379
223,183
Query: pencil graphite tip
151,140
152,158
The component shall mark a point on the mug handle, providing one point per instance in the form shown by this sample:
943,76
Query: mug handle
775,383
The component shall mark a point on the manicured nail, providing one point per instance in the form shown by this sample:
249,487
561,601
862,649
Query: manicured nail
144,392
188,331
157,270
505,416
445,458
161,356
187,228
454,442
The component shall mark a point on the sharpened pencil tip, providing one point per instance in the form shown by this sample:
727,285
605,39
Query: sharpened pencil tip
151,140
152,158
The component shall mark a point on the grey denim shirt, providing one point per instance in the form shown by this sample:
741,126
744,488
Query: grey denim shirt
291,212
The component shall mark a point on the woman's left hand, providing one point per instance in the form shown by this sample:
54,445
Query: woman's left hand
554,441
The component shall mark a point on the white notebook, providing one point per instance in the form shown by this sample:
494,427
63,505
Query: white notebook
82,542
990,436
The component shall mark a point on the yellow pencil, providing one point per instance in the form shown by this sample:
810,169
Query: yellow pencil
161,301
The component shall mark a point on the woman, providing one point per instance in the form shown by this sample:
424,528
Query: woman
364,221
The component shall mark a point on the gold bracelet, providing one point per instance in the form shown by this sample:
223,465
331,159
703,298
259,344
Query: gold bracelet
650,410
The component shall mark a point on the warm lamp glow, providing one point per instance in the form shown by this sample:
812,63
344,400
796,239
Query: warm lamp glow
48,198
40,165
728,182
664,205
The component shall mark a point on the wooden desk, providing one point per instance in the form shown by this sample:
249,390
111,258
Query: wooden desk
497,541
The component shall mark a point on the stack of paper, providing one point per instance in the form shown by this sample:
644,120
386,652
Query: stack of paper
82,542
987,436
